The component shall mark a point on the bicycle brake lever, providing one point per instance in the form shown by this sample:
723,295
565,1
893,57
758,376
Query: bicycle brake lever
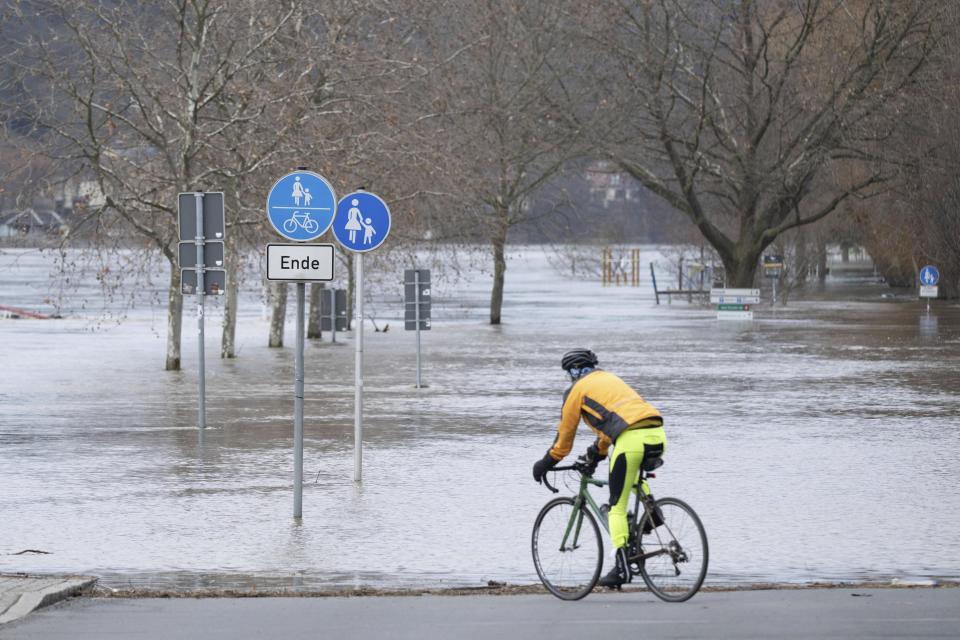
549,486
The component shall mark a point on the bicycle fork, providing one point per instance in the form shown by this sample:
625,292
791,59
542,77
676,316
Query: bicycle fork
574,524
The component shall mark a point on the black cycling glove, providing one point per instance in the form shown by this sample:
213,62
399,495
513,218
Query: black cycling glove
591,458
540,467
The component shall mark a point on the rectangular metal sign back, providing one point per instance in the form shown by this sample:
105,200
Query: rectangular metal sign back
300,262
214,281
212,254
213,221
411,325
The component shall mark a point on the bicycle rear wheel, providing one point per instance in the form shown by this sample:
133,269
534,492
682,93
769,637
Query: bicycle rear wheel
567,549
674,555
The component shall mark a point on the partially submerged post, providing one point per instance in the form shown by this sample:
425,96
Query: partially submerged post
300,207
200,219
356,212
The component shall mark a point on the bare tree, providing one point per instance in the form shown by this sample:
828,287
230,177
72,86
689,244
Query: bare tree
506,119
754,118
182,95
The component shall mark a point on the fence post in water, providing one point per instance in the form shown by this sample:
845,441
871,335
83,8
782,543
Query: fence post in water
653,276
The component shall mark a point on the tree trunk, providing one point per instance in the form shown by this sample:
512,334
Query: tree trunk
499,267
278,313
229,337
821,258
232,265
174,319
314,331
741,266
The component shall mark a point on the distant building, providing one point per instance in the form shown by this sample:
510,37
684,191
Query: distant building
610,185
31,221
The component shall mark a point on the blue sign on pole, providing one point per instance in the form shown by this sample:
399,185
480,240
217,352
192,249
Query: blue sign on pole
301,206
362,222
929,275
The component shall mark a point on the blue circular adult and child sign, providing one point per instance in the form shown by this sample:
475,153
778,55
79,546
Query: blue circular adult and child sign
929,275
301,206
362,222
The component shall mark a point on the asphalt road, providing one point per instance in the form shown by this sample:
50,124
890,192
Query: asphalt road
814,613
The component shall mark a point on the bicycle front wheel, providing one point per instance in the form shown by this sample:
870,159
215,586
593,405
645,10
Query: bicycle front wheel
674,555
567,549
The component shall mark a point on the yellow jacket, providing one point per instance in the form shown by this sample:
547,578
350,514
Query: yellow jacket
607,404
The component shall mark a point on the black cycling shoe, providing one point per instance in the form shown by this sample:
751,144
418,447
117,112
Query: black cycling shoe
613,580
619,574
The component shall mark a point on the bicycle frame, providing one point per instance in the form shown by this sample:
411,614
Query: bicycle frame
583,497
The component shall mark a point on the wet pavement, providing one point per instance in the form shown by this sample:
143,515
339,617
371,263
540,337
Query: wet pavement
862,614
819,442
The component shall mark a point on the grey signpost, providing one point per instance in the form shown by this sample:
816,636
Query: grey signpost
301,216
333,312
356,212
773,269
201,216
417,309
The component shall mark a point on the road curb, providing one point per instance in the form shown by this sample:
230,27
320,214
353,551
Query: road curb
21,593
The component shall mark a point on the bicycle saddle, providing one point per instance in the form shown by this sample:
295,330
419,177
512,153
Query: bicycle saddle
649,464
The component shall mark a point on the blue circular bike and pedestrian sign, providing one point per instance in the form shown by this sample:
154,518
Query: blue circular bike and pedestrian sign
301,206
929,275
362,222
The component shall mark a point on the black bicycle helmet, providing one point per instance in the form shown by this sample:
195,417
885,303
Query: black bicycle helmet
578,359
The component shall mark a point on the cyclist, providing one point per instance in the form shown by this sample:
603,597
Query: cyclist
619,417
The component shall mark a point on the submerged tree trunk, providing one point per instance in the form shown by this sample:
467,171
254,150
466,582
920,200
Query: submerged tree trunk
278,312
499,268
231,264
174,318
314,331
821,258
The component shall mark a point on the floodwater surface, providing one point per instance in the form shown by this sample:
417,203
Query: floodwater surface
819,442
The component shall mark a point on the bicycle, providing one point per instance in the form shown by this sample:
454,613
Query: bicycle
303,220
568,548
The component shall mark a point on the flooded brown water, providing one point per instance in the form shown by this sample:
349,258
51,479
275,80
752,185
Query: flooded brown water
818,443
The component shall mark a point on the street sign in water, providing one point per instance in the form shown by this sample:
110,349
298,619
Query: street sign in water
301,206
735,296
929,275
213,227
214,282
300,262
212,254
362,222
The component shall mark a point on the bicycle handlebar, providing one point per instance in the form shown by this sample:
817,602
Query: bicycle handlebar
573,467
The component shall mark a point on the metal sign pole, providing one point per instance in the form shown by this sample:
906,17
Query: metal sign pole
298,408
416,294
358,400
201,288
333,315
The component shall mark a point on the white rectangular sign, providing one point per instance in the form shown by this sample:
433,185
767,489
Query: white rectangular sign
734,296
734,315
734,299
929,291
300,262
734,292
